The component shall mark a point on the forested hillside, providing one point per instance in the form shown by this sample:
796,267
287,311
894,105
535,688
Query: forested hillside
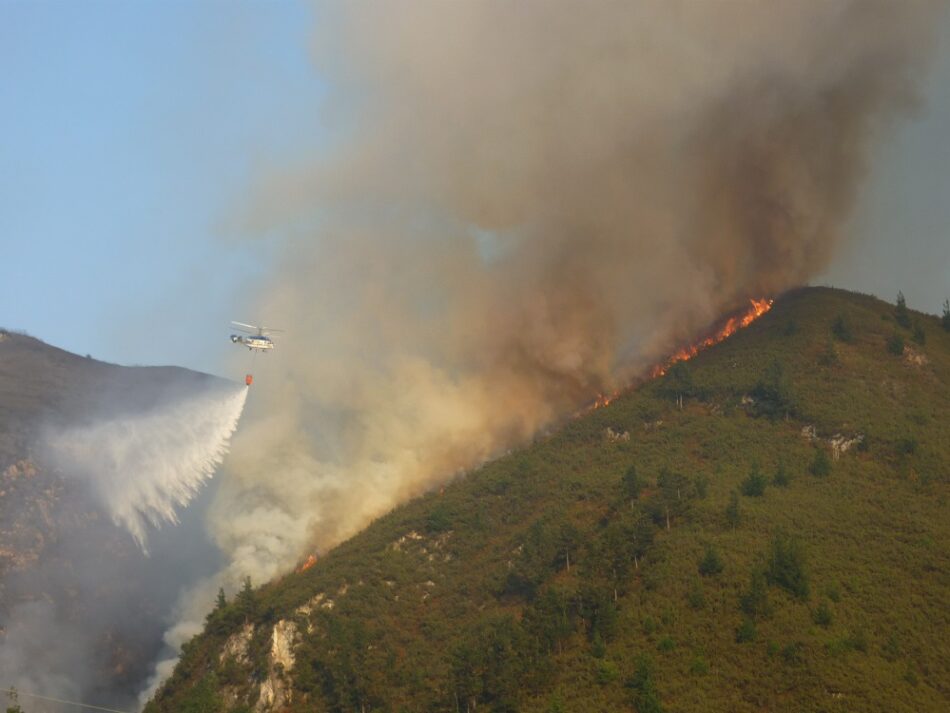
766,527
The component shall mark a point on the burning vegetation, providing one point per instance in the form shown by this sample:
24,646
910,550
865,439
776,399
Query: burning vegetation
731,325
307,564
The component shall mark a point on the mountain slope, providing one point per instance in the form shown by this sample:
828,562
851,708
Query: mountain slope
81,606
558,579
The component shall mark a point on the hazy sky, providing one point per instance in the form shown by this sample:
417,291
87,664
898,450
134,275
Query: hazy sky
130,133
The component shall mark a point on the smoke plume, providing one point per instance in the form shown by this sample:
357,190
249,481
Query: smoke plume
525,205
534,201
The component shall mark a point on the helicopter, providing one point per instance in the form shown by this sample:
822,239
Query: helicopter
254,337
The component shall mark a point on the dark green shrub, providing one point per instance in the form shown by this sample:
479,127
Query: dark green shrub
786,565
699,666
438,520
598,648
701,486
864,445
754,485
821,464
710,563
822,615
891,650
745,631
906,446
919,335
895,345
782,478
607,672
794,653
858,640
841,329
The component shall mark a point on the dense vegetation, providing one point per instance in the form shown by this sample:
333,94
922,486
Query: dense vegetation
774,535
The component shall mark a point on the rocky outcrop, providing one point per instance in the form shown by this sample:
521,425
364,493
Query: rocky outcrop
842,444
275,690
237,645
612,435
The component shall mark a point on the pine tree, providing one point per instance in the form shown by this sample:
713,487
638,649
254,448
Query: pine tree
782,478
755,600
710,563
732,510
773,393
900,311
679,382
246,600
945,320
645,698
786,565
632,484
754,485
222,601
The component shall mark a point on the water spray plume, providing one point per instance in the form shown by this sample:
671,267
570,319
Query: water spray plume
144,466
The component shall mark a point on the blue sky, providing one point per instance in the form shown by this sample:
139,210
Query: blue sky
128,136
130,133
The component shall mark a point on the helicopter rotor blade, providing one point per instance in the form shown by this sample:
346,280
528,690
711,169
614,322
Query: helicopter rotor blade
250,328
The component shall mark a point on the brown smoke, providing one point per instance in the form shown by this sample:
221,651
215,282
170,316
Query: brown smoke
527,203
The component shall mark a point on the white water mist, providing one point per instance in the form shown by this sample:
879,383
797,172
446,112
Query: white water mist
143,466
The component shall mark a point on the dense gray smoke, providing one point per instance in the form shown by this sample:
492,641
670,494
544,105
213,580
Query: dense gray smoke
533,202
526,204
538,199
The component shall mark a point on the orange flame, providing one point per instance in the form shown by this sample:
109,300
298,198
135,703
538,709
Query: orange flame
732,325
756,309
308,563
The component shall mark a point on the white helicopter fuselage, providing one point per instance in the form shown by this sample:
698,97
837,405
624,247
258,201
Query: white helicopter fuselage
253,341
